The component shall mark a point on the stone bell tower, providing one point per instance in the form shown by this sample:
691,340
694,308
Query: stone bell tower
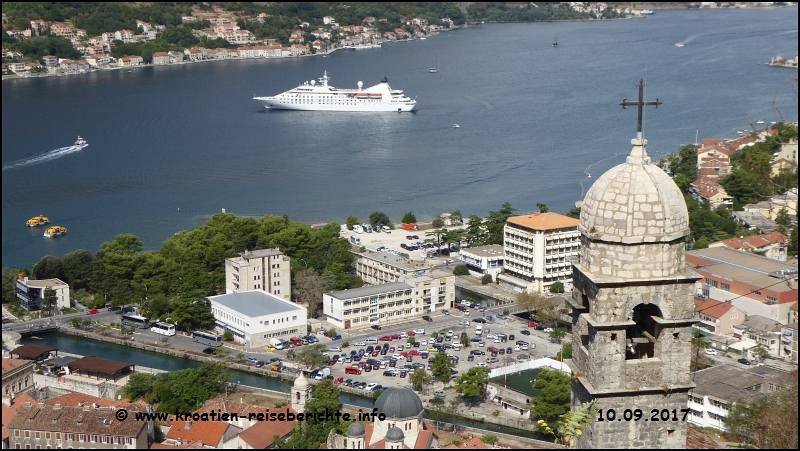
633,306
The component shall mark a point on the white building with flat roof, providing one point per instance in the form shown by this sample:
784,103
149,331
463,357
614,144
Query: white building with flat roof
256,316
30,293
539,249
263,269
483,259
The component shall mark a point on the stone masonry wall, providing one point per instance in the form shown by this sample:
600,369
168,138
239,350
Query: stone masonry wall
633,261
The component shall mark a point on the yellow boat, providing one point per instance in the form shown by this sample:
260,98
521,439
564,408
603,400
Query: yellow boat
55,231
37,221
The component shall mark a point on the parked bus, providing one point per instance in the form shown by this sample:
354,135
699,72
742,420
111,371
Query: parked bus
207,339
139,322
163,329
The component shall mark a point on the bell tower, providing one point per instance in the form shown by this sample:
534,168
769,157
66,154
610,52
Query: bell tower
633,306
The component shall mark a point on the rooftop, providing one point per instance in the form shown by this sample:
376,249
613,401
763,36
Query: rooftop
104,367
369,290
73,420
208,432
729,382
31,352
13,364
492,250
741,266
544,221
44,283
254,303
400,263
761,324
714,309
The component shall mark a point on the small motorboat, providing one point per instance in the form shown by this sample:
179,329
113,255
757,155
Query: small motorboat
456,126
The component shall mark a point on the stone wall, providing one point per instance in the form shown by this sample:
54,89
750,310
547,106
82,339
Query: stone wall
634,434
633,261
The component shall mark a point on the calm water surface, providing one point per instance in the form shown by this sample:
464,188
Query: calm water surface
532,118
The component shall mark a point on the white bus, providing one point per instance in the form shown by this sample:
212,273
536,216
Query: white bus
163,329
139,322
207,339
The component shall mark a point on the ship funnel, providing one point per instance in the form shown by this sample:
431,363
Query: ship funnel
360,84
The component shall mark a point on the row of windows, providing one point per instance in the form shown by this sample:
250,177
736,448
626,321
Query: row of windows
375,299
92,438
278,334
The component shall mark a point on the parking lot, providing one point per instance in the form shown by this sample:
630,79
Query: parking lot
393,240
457,323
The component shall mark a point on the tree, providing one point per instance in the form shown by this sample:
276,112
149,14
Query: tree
792,249
767,422
192,313
475,229
419,378
557,334
574,213
464,340
351,221
701,243
565,352
165,341
227,335
557,287
49,300
49,267
486,279
437,402
438,223
554,400
308,289
441,366
380,218
472,383
409,218
456,216
530,302
461,270
325,398
760,351
77,268
489,439
783,220
542,208
311,358
240,356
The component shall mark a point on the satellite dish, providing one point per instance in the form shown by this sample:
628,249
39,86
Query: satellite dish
360,84
313,82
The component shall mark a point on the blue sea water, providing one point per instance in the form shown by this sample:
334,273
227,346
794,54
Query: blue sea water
533,120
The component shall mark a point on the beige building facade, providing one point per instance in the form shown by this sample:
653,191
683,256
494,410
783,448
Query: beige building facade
538,251
264,269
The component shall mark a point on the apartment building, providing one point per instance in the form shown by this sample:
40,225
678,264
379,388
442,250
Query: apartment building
256,316
718,317
382,267
757,330
538,251
30,293
771,245
264,269
719,386
483,259
386,303
754,284
55,426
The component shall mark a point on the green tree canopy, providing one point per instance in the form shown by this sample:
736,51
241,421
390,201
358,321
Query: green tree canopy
461,270
409,218
379,218
555,398
440,366
557,287
49,267
438,223
419,378
351,221
77,268
472,384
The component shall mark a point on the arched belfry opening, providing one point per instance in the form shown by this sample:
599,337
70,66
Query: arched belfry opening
640,340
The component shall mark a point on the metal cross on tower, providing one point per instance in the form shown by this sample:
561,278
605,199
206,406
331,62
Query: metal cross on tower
641,104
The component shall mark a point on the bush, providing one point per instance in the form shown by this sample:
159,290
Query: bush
557,287
227,336
489,439
345,344
438,223
486,279
460,270
409,218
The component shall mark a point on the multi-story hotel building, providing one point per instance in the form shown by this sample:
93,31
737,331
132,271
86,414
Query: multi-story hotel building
263,269
483,259
30,293
256,316
538,251
382,267
389,302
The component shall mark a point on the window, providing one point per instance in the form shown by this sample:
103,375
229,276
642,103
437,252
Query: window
725,286
772,299
712,283
756,292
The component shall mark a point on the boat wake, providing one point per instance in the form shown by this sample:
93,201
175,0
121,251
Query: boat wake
47,156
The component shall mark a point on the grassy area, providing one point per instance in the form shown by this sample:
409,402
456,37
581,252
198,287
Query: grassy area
521,381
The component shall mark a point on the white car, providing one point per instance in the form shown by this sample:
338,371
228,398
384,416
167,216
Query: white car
408,345
517,348
497,340
449,333
360,343
419,331
397,356
711,352
481,364
404,335
335,349
383,365
424,343
547,330
370,386
481,343
492,336
524,347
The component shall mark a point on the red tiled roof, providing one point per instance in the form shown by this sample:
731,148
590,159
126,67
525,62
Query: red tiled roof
544,221
714,309
263,433
208,432
9,412
12,364
75,399
755,241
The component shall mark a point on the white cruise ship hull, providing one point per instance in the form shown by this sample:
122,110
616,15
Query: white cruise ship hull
311,96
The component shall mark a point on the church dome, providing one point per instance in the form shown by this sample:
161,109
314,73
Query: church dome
399,403
301,381
635,202
356,430
395,434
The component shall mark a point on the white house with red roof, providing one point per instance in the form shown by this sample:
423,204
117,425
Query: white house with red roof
772,245
709,189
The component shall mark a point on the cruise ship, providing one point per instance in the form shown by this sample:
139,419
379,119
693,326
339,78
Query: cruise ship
312,96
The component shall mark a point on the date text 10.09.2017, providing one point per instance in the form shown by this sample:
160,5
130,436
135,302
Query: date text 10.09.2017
638,415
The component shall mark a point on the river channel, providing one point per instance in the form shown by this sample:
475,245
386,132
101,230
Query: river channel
86,347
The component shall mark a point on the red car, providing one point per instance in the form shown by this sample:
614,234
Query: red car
93,311
410,333
296,341
492,349
385,338
403,354
414,352
395,336
532,324
338,380
375,353
391,349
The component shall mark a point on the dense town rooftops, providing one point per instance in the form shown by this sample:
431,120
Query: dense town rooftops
254,303
544,221
86,420
729,382
742,267
13,364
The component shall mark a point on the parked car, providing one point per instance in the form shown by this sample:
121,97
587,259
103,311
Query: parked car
419,331
439,393
376,326
251,360
477,352
509,351
481,364
446,312
491,360
93,311
744,362
547,330
479,320
532,324
525,332
427,318
336,337
711,352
